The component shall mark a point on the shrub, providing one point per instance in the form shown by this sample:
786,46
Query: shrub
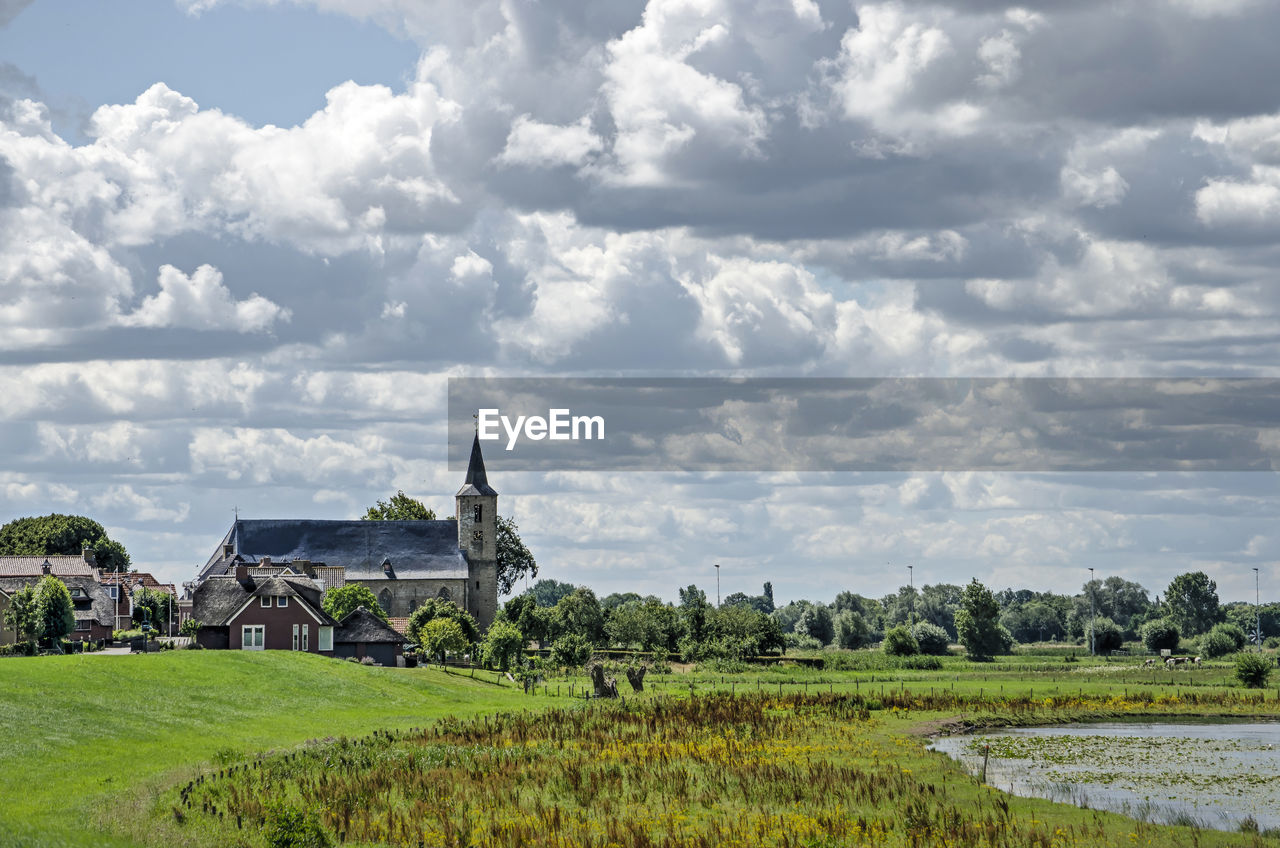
802,642
1106,636
898,642
570,651
289,827
1160,634
931,638
502,645
1253,670
1234,632
1217,644
920,663
367,661
1271,642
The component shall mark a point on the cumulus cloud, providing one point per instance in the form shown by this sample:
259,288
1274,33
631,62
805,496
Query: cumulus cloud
201,301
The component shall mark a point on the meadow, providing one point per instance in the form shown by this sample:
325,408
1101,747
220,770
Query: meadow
216,749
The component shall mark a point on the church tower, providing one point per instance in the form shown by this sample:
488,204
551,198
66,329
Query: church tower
477,505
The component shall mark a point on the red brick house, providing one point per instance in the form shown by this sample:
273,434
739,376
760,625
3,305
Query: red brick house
279,613
122,585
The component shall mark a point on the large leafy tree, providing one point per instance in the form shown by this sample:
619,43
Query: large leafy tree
514,559
436,609
978,622
62,535
21,615
400,507
503,645
152,606
54,613
1192,600
341,602
548,592
440,636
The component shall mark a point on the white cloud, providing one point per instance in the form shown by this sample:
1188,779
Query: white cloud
534,143
202,302
122,499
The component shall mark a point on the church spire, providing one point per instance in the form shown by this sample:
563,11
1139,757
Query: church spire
477,482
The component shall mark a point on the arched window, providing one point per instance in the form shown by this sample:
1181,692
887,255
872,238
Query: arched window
479,513
443,594
384,600
413,605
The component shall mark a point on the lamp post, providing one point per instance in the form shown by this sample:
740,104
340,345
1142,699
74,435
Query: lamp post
717,585
1093,617
911,582
1257,613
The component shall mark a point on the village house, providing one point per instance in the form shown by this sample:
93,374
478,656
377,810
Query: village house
122,587
93,607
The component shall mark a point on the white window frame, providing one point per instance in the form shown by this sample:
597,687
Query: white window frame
253,637
282,600
115,592
325,642
295,637
265,601
306,637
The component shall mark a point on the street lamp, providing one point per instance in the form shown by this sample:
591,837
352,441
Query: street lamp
717,585
911,581
1257,613
1093,620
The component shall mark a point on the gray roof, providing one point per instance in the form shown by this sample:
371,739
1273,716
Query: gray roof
219,598
100,609
33,566
415,549
477,482
360,625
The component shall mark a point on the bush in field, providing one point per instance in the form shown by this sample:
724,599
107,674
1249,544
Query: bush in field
289,827
1234,632
801,642
1253,670
898,642
1106,636
502,645
1215,643
570,651
931,638
1160,634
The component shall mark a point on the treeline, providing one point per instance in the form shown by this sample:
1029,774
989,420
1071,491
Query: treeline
1104,615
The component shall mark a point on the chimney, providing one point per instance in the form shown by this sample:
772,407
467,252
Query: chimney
242,575
266,560
87,554
46,568
227,550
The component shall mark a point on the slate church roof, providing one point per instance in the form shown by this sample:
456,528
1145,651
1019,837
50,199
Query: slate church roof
477,482
410,549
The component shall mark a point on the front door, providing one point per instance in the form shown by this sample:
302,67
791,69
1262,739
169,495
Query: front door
252,637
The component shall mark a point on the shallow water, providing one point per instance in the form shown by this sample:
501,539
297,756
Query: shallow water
1215,774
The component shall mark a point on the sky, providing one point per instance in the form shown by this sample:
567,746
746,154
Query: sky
244,244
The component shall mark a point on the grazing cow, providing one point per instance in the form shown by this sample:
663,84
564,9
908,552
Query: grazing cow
1196,661
1150,662
1170,663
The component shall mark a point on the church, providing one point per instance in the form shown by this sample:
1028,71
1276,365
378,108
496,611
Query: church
404,563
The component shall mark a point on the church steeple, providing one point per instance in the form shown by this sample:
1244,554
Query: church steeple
477,482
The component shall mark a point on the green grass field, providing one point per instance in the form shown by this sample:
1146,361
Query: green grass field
85,736
98,748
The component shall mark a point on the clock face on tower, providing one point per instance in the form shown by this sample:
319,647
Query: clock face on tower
477,535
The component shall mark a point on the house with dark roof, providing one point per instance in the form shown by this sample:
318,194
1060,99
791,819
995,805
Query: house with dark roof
78,565
92,607
404,563
362,634
243,612
124,584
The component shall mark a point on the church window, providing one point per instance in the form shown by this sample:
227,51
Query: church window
479,513
384,600
413,605
443,594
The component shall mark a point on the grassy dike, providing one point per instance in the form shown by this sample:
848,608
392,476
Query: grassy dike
86,736
167,749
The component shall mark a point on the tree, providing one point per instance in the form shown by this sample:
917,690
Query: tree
1160,634
1034,622
851,630
191,627
341,602
514,559
649,625
440,636
898,642
503,644
62,535
152,606
1105,635
978,622
438,608
548,592
938,605
579,612
21,616
816,622
54,613
401,507
1192,599
694,610
1253,670
931,638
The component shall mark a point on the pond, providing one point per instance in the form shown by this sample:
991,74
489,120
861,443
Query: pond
1213,775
